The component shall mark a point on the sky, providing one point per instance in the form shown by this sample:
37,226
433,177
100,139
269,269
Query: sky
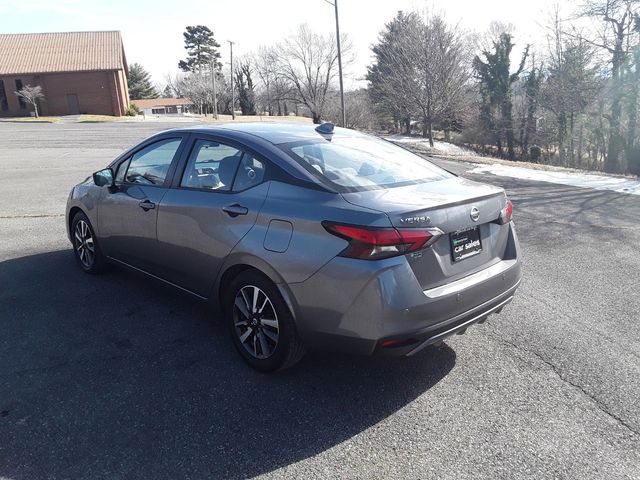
152,30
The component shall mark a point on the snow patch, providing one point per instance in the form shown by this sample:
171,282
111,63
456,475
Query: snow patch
575,179
438,146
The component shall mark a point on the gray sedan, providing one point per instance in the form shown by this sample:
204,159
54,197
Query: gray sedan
305,236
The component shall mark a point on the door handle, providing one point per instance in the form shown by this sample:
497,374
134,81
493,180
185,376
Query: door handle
146,205
235,210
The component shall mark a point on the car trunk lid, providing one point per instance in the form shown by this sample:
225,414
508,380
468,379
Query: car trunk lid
453,205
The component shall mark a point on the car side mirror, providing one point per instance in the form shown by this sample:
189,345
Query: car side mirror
104,178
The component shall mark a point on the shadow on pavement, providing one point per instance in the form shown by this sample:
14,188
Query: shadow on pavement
116,376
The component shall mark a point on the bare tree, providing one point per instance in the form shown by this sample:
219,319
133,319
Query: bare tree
31,95
176,84
571,86
441,63
358,108
198,89
616,36
308,61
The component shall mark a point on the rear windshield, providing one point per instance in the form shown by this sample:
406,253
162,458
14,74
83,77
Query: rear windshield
362,162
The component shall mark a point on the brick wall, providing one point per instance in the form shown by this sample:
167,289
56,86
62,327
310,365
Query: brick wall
100,93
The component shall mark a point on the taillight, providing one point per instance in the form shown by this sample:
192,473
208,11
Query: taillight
370,243
505,213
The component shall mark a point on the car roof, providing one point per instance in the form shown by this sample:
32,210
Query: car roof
273,132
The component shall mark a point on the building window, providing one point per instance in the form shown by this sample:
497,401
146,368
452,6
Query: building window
20,99
157,111
4,105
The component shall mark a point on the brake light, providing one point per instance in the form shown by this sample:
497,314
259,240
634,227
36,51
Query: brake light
369,243
506,213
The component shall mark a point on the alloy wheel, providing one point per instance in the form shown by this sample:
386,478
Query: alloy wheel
255,322
85,247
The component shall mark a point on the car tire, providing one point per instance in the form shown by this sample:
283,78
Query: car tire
261,324
85,245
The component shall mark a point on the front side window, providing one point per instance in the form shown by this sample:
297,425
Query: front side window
362,162
150,165
122,170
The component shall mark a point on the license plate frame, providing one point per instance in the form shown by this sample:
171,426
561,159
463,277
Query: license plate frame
465,243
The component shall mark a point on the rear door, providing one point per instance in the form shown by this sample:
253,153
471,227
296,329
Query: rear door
127,214
214,202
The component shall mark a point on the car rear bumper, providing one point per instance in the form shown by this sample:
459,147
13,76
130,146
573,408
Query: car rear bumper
364,308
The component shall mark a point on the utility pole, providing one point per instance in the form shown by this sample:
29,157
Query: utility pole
233,93
213,84
335,6
344,118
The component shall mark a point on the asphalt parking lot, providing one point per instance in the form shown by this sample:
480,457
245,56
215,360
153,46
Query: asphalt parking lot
114,376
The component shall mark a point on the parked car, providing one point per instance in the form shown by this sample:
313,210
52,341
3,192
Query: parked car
307,237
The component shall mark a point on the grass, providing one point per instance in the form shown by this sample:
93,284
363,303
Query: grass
31,119
105,118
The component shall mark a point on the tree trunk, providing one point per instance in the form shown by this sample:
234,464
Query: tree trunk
316,117
430,132
510,137
632,107
562,131
612,162
35,109
572,157
407,125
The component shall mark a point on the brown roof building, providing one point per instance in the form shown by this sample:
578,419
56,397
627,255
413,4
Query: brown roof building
79,72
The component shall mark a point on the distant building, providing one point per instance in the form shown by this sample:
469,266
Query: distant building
164,106
79,72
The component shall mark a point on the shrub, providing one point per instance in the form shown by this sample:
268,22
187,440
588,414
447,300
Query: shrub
132,111
634,161
535,153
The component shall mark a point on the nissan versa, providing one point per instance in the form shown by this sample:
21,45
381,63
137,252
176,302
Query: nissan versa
307,237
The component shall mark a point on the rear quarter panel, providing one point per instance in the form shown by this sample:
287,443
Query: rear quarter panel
310,246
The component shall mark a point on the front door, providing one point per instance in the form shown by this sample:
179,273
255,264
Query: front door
73,105
127,214
215,204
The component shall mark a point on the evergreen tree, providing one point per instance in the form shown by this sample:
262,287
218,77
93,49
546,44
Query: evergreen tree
202,49
244,84
532,94
495,89
140,85
167,92
387,76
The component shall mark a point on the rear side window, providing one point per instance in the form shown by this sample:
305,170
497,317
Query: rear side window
362,162
150,165
250,173
216,166
211,165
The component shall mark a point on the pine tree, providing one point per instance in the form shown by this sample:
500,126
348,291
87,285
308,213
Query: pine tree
202,49
140,85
